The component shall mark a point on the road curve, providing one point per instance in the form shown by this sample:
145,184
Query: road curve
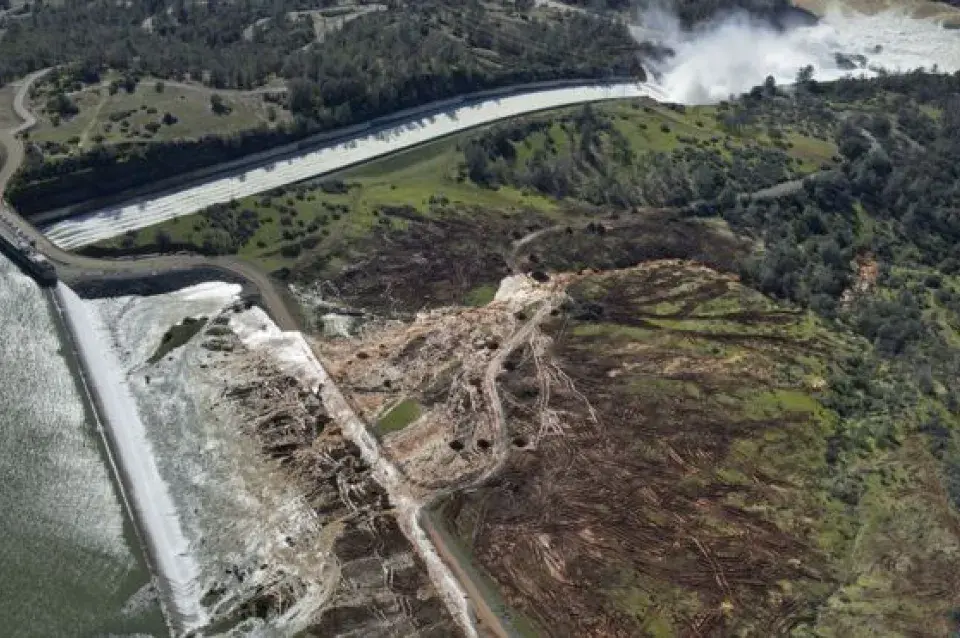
9,139
152,209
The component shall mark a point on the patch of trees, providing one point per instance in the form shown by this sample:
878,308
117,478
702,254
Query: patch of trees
107,170
809,243
438,49
61,105
199,39
598,164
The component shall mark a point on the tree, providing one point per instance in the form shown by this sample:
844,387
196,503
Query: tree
130,83
61,105
218,105
770,85
300,97
163,240
805,75
478,167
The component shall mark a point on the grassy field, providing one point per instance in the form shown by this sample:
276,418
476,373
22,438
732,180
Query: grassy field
398,417
409,179
113,117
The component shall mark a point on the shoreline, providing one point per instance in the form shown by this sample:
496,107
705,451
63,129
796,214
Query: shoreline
166,567
132,531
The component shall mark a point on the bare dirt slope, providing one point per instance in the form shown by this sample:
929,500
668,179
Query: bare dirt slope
688,495
381,586
629,450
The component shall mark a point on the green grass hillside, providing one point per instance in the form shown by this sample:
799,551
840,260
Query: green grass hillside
300,227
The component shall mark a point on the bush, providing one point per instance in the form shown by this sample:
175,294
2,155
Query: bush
62,105
334,187
218,105
290,250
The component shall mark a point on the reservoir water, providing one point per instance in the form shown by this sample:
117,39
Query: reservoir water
70,561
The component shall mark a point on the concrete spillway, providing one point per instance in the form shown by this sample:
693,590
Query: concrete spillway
146,493
116,220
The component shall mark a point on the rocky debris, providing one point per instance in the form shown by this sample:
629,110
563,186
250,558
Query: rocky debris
219,345
383,588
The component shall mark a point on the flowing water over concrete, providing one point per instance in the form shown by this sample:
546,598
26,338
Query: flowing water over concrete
734,54
70,564
148,493
149,210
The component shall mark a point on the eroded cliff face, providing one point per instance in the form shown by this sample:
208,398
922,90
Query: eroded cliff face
374,584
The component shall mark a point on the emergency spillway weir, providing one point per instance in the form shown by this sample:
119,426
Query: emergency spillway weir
145,492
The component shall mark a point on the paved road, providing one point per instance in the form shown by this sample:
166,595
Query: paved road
73,268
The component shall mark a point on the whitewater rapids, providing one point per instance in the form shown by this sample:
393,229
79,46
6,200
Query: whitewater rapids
729,57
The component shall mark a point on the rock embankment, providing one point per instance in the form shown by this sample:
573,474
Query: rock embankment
383,588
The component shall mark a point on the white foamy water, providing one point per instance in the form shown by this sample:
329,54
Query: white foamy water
733,55
135,458
239,511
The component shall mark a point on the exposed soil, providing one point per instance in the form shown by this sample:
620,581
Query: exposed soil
433,262
630,239
651,511
383,587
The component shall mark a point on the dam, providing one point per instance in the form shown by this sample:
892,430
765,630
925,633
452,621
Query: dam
146,495
18,249
71,561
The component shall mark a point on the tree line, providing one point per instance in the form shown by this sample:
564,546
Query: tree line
381,63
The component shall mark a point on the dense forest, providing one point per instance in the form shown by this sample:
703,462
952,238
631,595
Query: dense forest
385,61
407,46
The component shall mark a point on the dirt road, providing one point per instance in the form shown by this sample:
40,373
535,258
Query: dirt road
9,137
